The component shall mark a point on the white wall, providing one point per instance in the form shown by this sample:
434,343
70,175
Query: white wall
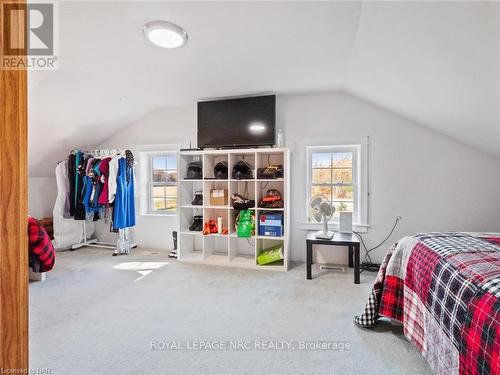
435,183
42,192
164,126
432,181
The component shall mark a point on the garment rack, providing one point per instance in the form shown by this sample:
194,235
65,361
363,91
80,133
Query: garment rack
123,234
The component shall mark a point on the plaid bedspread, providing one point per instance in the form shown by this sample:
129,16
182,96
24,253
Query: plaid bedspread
41,251
445,289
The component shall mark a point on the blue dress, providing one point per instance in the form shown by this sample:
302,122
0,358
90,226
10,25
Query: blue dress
124,209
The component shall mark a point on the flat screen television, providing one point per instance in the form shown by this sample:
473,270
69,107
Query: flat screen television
237,122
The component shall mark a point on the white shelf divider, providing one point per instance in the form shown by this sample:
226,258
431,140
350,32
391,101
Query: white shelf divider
231,250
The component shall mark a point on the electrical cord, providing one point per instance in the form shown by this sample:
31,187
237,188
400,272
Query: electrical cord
368,264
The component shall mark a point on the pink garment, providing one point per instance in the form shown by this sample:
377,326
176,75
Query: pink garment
104,168
89,163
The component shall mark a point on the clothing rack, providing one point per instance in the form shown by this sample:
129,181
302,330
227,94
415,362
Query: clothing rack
123,245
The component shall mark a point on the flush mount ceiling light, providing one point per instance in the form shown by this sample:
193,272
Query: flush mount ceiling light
165,34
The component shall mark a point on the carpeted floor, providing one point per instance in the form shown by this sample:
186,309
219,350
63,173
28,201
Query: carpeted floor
98,314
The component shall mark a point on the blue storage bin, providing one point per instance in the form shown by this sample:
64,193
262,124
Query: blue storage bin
271,224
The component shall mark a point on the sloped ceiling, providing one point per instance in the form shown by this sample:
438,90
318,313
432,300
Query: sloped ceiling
435,63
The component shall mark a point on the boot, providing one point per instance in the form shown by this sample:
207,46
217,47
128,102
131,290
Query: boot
198,199
197,225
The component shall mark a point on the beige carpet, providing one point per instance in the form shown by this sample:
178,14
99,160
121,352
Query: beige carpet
98,314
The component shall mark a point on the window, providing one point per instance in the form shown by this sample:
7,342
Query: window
163,183
339,173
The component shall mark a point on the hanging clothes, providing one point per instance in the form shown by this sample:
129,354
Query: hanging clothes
124,205
71,181
63,188
80,164
67,231
104,168
113,173
95,185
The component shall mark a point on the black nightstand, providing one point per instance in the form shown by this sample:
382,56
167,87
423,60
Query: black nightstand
339,239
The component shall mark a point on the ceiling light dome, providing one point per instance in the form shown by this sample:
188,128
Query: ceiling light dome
165,34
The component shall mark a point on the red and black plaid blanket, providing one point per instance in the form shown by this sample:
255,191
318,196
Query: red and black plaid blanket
445,289
41,251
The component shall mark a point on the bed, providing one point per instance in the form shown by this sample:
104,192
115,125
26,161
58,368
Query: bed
445,290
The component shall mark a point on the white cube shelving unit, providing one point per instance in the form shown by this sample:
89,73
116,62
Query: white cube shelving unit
230,250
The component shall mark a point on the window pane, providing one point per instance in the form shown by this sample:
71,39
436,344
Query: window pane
158,191
343,192
172,176
321,159
158,204
342,176
159,162
342,159
159,168
171,191
164,191
322,190
171,162
164,170
162,204
343,206
321,176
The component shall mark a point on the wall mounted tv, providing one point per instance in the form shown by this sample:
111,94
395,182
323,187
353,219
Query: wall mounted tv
237,122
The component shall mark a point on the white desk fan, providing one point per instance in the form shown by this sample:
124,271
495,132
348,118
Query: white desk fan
321,209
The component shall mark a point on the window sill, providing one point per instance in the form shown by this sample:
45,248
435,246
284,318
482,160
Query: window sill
151,214
361,228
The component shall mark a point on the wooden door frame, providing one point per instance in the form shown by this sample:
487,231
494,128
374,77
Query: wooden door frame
13,213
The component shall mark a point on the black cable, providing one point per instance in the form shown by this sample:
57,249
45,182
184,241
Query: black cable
368,264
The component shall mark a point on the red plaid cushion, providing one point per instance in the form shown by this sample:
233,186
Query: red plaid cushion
40,245
480,341
391,303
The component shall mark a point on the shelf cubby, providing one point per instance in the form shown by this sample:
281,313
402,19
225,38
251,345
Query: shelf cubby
187,189
209,163
233,216
248,156
186,215
257,225
192,247
264,186
216,249
184,160
214,213
209,185
266,243
270,157
242,250
244,188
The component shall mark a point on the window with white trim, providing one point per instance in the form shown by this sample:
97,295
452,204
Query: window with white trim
163,183
339,173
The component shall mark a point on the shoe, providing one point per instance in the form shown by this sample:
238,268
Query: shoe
173,254
198,199
197,225
241,203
